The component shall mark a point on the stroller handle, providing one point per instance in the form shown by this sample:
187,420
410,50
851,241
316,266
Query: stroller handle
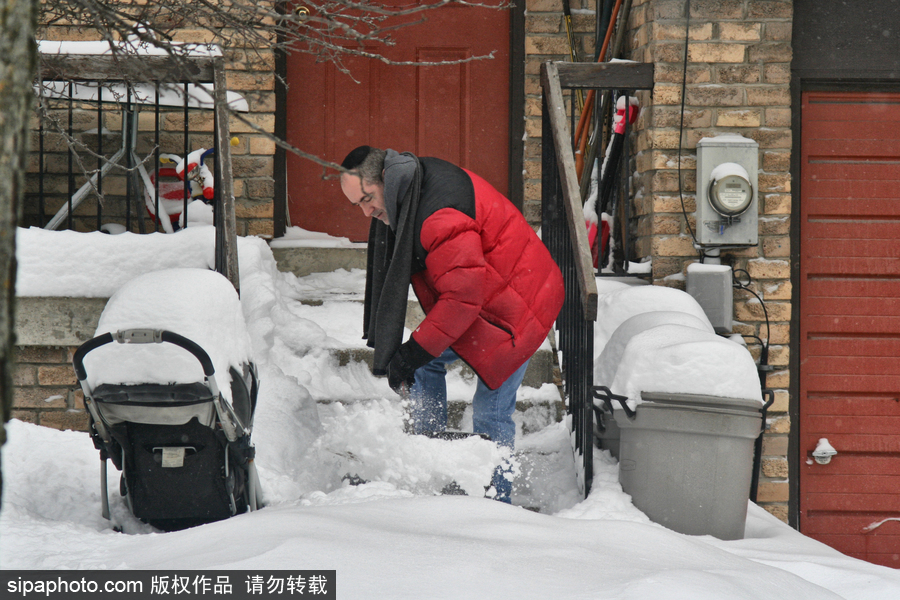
141,336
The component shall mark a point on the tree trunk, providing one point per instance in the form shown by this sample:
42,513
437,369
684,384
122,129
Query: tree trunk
18,60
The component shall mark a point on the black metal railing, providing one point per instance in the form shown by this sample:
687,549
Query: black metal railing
565,234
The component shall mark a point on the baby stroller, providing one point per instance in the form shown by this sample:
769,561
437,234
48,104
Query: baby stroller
183,446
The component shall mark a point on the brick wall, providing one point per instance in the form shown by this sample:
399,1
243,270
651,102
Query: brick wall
545,39
738,81
46,390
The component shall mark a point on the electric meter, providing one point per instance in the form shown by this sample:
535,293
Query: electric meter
730,191
727,212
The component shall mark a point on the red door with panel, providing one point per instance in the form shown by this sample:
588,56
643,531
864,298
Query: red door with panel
850,322
458,112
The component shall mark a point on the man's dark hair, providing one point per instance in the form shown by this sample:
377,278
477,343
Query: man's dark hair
367,162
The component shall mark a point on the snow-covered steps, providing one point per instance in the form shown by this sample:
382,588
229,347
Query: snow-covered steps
334,300
540,370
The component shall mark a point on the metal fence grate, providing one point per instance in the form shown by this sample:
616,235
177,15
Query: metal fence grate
107,142
105,153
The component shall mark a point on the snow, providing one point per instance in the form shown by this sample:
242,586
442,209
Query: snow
728,169
639,267
296,237
685,360
169,299
318,421
198,95
607,363
640,348
94,48
617,302
707,268
726,138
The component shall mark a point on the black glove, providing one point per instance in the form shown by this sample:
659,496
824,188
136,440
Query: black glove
402,368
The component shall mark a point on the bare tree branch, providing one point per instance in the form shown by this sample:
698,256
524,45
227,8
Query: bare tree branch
248,31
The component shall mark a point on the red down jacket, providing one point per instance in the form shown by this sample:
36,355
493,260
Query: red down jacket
490,289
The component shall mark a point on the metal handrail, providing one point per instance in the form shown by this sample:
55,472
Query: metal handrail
565,234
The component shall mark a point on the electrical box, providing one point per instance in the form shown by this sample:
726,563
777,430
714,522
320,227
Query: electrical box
727,191
711,286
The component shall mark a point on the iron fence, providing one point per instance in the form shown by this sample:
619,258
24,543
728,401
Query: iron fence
116,150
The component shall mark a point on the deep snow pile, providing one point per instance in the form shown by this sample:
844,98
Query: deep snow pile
393,538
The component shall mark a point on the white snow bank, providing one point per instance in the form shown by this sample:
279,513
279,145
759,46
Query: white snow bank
685,360
69,263
297,237
198,95
607,363
387,543
101,48
409,462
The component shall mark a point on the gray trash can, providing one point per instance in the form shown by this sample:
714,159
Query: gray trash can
686,460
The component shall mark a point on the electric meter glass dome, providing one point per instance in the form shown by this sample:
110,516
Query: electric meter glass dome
730,195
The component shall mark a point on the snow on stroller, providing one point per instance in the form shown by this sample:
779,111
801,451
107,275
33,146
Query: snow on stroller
156,408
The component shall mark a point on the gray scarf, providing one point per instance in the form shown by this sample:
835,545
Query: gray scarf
390,253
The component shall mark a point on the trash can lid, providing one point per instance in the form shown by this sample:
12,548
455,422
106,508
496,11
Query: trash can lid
702,400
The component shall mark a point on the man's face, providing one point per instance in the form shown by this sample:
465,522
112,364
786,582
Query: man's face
368,196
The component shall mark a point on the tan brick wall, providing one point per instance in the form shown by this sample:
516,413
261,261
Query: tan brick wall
737,81
46,390
545,39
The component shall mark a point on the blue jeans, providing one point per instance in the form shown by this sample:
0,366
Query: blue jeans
492,409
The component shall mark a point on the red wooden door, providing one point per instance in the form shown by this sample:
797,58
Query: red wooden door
850,322
458,112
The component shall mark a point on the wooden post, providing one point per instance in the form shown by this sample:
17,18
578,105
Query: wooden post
570,189
226,226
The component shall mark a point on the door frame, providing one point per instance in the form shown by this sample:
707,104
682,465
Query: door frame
830,53
516,121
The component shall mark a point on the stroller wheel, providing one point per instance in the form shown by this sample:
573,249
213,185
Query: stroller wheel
236,484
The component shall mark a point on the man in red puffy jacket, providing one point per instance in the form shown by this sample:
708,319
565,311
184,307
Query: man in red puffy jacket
487,284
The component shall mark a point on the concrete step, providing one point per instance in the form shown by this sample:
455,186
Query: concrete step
302,261
68,322
534,411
